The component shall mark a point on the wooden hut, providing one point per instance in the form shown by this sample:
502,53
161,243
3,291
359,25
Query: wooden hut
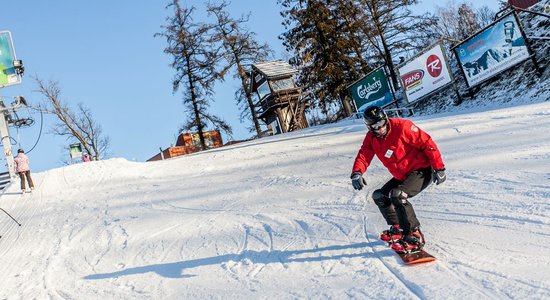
280,104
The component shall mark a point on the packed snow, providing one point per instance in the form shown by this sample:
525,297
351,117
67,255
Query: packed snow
277,218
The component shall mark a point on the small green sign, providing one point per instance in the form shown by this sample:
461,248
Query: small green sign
75,150
373,89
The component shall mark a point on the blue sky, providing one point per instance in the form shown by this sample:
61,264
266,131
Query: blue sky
104,55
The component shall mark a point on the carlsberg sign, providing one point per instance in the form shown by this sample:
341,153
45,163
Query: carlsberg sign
371,90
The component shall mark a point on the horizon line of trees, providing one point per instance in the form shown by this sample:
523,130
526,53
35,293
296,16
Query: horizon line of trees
335,43
332,44
204,53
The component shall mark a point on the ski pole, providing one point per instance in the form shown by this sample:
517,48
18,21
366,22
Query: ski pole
10,216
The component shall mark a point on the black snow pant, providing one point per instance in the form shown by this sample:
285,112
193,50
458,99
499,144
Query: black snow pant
392,199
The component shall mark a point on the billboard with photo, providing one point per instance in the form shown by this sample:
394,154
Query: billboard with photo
496,48
373,89
8,74
425,73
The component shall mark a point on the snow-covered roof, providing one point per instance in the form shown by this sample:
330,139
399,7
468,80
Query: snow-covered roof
275,69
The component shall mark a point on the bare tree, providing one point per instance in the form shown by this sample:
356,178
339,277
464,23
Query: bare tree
468,20
459,21
392,29
485,16
195,59
76,125
502,4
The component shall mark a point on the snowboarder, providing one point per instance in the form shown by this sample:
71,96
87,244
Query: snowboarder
414,161
22,168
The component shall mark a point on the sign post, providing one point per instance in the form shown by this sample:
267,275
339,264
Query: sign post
5,132
6,142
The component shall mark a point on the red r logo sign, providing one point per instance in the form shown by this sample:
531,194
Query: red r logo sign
433,65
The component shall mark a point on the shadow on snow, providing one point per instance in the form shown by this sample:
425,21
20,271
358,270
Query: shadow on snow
176,269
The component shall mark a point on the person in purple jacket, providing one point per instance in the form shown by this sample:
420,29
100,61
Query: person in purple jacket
22,168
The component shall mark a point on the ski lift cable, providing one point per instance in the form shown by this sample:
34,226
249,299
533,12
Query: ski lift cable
29,122
40,132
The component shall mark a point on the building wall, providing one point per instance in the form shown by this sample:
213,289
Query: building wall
523,3
190,143
212,138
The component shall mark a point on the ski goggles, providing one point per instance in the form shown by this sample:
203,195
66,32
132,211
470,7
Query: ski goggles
378,125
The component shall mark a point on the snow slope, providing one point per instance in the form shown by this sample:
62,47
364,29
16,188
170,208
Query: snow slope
277,218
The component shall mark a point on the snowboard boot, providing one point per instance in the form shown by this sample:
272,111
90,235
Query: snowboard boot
392,235
412,242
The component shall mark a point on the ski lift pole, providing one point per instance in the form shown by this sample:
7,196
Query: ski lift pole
10,216
5,139
5,133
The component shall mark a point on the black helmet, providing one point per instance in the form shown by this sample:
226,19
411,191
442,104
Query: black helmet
20,151
373,115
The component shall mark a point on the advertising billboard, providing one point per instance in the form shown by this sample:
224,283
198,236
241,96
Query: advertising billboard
425,73
8,74
373,89
496,48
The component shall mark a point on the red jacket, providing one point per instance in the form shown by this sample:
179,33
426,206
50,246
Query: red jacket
405,148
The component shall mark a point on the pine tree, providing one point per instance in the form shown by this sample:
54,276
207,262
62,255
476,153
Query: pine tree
195,59
337,42
329,55
240,49
468,21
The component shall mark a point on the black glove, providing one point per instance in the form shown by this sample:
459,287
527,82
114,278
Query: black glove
438,176
357,180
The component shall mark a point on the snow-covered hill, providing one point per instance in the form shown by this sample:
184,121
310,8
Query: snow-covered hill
276,218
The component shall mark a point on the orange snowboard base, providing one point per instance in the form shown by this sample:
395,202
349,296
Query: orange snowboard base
416,257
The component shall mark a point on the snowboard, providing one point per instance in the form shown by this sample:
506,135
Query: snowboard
416,257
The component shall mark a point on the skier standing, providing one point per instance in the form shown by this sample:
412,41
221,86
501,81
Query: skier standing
414,161
22,168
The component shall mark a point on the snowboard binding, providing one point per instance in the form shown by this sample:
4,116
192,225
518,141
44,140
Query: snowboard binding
410,243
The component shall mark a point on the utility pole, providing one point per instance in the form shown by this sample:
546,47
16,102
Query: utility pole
5,132
6,143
